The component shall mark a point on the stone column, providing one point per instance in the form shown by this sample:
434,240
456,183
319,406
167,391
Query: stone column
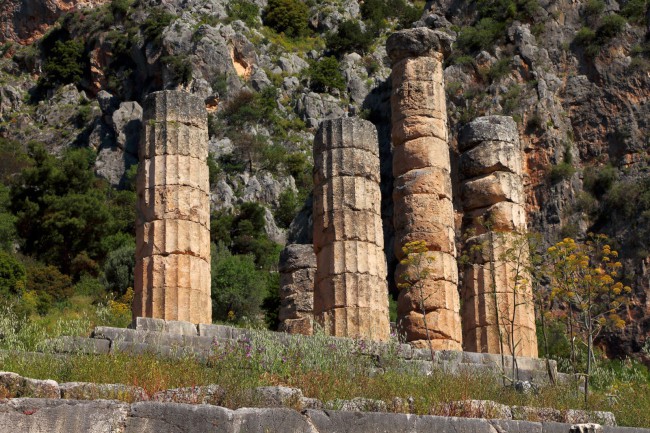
351,295
422,195
172,274
498,307
297,274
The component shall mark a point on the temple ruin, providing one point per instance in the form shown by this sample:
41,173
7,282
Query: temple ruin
172,274
422,194
297,275
350,294
498,309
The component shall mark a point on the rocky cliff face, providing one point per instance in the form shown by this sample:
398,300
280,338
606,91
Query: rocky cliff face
573,74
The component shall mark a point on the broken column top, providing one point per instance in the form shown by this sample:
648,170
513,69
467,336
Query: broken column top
488,128
175,106
346,132
297,256
417,42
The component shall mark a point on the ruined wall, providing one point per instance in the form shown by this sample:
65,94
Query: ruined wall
422,196
351,295
172,274
498,308
297,274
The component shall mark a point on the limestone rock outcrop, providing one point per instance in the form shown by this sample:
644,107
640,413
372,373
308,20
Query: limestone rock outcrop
498,308
172,275
297,274
422,195
351,294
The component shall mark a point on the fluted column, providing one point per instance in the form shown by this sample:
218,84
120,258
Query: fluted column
422,195
172,275
351,297
498,307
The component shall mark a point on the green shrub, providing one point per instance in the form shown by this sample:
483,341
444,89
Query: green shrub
121,7
287,16
12,275
220,85
155,24
64,63
376,12
561,171
288,206
481,36
635,11
349,38
610,26
499,69
325,75
594,8
49,285
598,180
118,269
180,68
245,11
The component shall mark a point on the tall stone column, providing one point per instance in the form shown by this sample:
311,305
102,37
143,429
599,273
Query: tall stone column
172,274
351,295
297,274
498,307
422,195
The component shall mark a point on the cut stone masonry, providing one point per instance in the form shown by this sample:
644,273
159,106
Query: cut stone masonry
498,308
422,195
350,294
172,273
297,275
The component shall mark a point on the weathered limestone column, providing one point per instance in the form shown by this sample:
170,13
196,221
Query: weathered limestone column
422,195
172,275
498,307
351,294
297,274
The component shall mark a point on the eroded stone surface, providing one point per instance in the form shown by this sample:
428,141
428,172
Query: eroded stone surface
297,276
351,296
498,309
172,275
422,194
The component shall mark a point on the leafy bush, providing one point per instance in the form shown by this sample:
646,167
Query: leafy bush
481,36
349,38
120,7
561,171
377,11
64,63
238,288
592,41
610,26
180,68
594,7
598,180
244,10
288,206
155,24
635,11
49,285
287,16
118,269
12,275
325,75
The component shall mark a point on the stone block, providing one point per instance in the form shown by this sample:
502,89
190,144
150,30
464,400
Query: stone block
297,256
441,266
490,156
423,212
209,394
361,422
351,257
220,332
174,106
502,217
177,202
173,236
154,417
355,322
431,181
62,416
345,162
416,127
346,193
488,128
442,324
68,344
302,326
346,133
416,97
173,170
435,294
418,42
491,189
442,239
173,138
264,420
351,290
102,391
420,153
347,225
